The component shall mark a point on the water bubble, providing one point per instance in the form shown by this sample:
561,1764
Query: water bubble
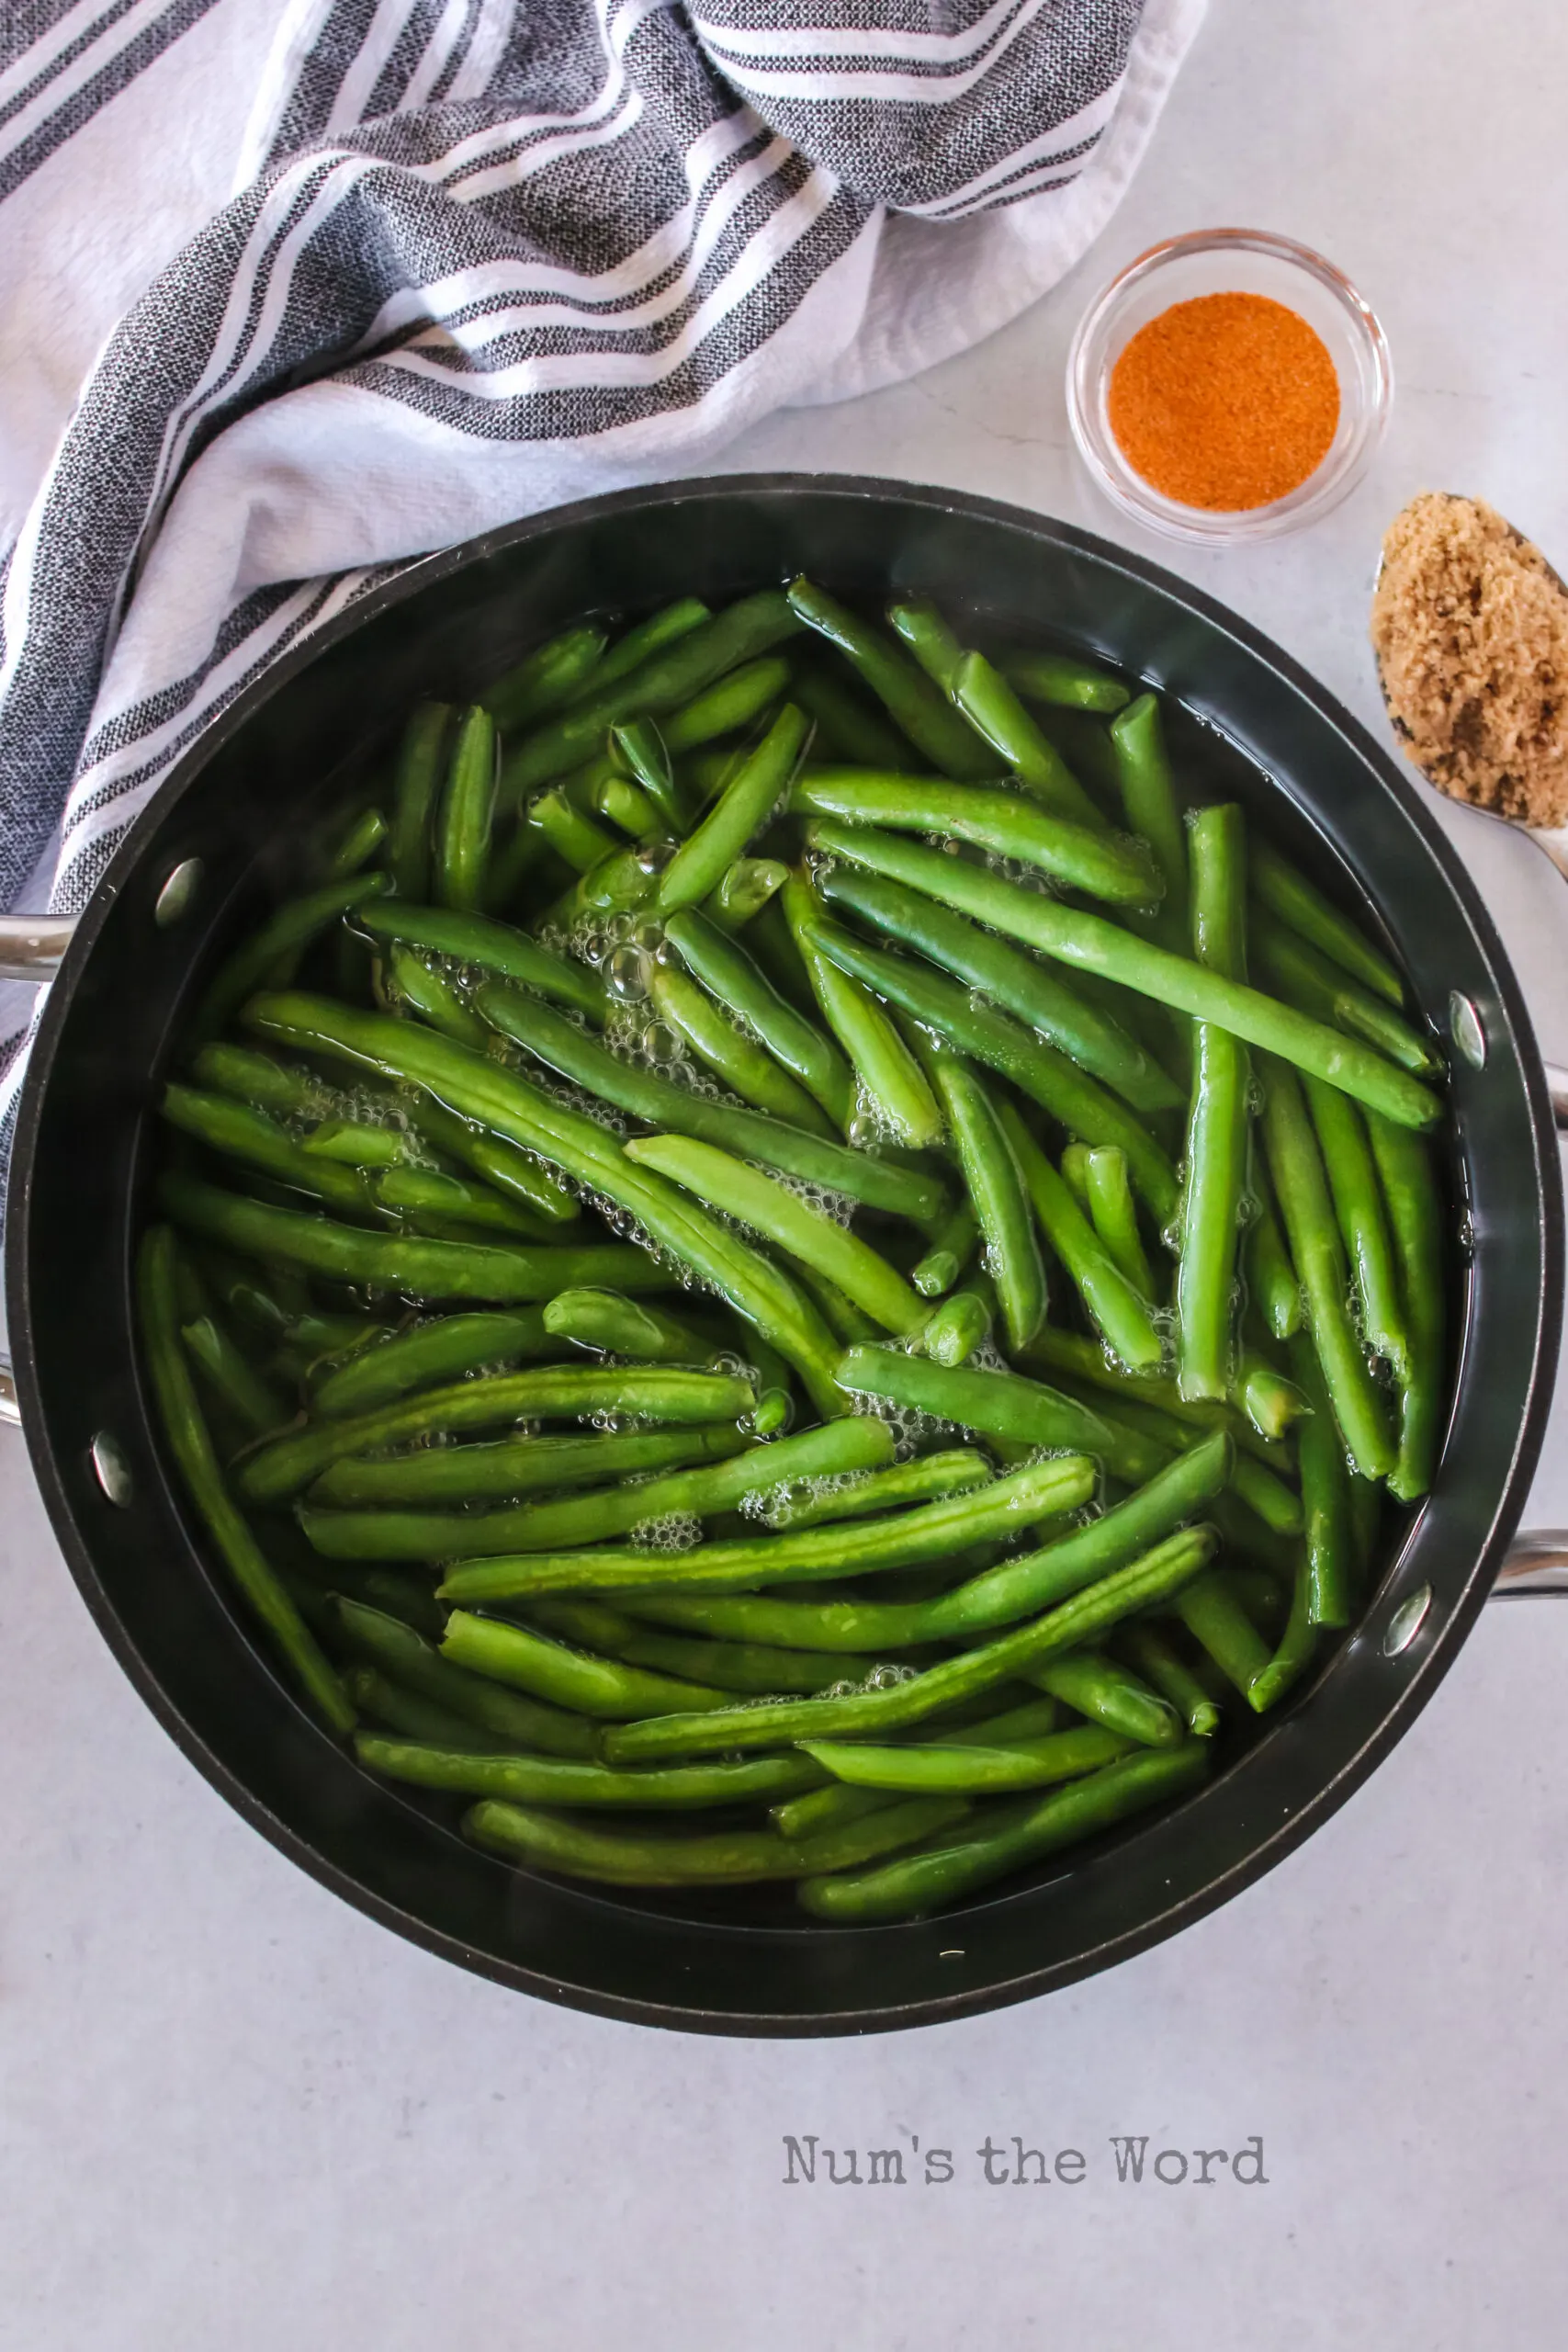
653,856
674,1531
661,1046
626,972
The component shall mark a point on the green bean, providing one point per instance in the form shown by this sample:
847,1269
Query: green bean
546,678
783,1217
549,1391
477,1088
430,1125
607,1320
434,1202
639,745
423,987
599,1686
1152,1580
1096,946
358,844
1415,1217
509,1468
1218,1623
1048,1078
729,704
1302,1191
432,1352
1269,1402
1059,679
1265,1494
930,639
725,1858
887,1070
997,1404
430,1270
742,891
254,1140
1113,1306
1313,985
186,1433
1015,1588
538,1780
279,941
574,837
421,765
1114,1216
1147,792
497,946
987,700
1325,1498
667,678
1159,1664
952,1248
1114,1696
744,805
1084,1362
861,1494
562,1046
1296,1649
924,714
731,974
628,808
1083,858
932,1532
927,1882
467,806
731,1053
233,1378
620,883
742,1666
1075,1175
413,1717
558,1523
398,1651
1038,1579
1217,1126
994,1185
663,629
962,1322
1358,1205
847,725
1289,895
969,1771
1270,1276
352,1145
824,1808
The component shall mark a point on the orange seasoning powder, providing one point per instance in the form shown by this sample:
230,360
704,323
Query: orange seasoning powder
1228,402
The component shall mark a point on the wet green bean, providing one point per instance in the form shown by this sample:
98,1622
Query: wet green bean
1415,1220
1117,1310
509,1468
1082,857
1114,1696
185,1429
1096,946
917,707
417,785
731,974
506,1715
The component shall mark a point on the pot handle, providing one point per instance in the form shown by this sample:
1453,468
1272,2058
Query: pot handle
31,946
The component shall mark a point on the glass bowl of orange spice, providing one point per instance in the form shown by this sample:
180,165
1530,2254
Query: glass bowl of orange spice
1228,385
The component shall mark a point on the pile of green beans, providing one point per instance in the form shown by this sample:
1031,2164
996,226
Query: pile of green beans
750,1245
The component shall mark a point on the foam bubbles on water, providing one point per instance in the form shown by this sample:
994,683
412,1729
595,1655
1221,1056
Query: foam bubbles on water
673,1531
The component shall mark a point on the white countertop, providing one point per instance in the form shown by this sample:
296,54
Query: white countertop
234,2112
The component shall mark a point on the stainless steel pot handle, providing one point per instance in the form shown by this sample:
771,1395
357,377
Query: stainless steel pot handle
31,947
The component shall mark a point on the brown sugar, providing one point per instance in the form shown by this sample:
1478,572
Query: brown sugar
1228,401
1469,625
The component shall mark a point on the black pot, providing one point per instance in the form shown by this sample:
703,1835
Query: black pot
232,807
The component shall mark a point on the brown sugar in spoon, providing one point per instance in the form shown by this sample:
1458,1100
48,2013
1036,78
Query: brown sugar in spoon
1469,626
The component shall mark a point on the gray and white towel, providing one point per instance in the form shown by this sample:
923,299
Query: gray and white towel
471,258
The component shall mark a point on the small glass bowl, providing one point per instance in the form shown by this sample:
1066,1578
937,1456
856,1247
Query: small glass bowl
1232,260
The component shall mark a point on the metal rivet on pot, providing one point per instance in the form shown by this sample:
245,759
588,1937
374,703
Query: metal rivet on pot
178,893
112,1470
952,1953
1407,1621
1465,1029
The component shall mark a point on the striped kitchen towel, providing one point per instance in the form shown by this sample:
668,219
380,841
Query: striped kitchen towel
485,255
